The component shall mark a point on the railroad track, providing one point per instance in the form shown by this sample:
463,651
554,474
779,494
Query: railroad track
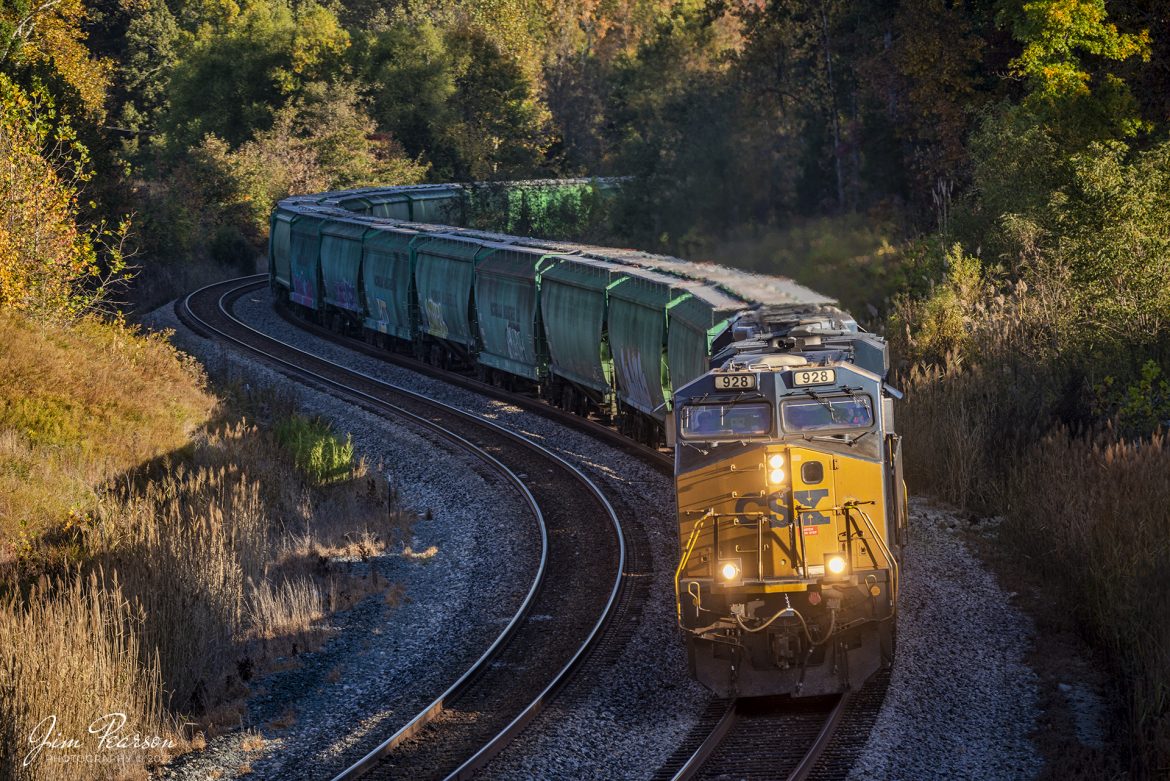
567,609
820,739
778,739
766,739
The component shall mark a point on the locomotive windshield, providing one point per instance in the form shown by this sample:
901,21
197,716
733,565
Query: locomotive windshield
821,413
726,421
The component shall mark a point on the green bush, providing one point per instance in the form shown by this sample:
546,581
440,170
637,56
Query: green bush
317,452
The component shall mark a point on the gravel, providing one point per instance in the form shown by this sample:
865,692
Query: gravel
381,665
961,701
621,719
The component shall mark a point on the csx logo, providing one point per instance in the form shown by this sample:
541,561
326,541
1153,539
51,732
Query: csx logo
807,502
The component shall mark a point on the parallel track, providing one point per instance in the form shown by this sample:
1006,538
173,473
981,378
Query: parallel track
566,610
819,741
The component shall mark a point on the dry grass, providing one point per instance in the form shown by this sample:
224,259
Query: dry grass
291,607
1093,516
253,741
1086,512
79,406
180,562
67,656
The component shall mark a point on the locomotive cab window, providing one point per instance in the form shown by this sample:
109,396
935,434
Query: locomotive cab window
726,421
823,414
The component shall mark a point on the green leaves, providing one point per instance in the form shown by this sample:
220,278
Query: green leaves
454,100
247,66
317,452
1067,46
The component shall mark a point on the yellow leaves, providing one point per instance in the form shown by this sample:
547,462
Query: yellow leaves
1068,48
43,254
1057,33
319,36
52,32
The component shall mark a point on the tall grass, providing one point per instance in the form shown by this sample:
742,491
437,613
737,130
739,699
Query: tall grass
69,653
205,535
1088,509
288,607
187,576
1095,513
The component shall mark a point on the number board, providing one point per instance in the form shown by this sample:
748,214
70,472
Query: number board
804,377
735,381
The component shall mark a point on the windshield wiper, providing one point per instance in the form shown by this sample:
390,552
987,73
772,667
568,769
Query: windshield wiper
819,400
838,438
696,447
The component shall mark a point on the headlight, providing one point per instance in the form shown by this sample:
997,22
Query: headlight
776,476
730,572
836,564
776,461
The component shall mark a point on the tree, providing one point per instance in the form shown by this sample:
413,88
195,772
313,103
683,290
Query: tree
454,99
50,266
1067,45
244,68
322,141
48,35
152,45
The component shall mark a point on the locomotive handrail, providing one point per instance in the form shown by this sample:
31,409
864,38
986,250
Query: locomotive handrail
895,569
694,538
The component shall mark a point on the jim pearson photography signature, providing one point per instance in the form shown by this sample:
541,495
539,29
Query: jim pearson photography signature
106,736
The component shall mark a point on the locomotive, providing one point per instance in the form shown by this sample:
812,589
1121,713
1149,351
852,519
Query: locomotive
791,507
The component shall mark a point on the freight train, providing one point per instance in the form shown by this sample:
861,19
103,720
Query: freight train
791,506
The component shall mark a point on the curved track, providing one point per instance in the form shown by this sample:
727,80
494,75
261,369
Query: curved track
566,610
766,739
781,739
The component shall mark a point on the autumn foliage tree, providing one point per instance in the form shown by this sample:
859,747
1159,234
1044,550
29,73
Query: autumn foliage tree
50,267
48,37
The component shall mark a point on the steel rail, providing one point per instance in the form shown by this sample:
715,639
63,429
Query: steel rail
824,737
696,763
431,711
691,767
497,743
